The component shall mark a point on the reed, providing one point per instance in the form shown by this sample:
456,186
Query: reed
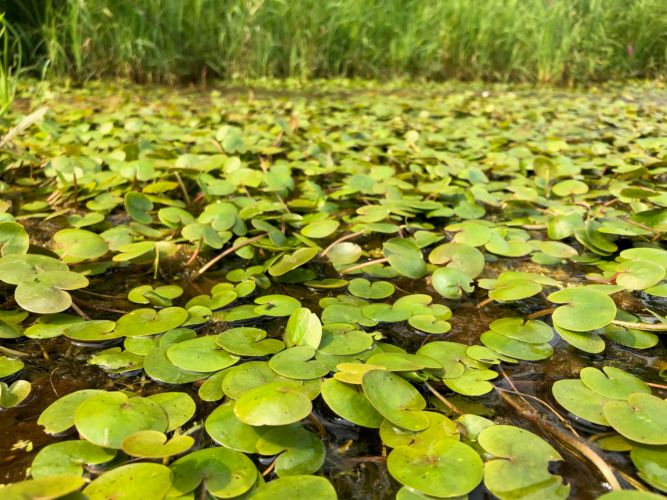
545,41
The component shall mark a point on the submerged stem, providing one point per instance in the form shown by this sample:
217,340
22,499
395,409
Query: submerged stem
368,263
649,327
230,250
444,400
341,240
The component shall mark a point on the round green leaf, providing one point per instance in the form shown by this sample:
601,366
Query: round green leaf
448,468
642,418
350,403
249,342
68,457
296,487
587,309
395,399
146,321
154,444
139,480
201,354
226,473
106,419
77,245
275,403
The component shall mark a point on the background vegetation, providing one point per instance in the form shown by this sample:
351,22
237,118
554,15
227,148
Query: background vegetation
549,41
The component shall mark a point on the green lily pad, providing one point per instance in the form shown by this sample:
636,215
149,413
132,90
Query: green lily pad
429,323
227,430
299,451
154,444
51,325
201,354
211,389
385,313
473,382
139,480
521,461
159,296
531,331
516,348
96,330
289,262
320,229
451,283
451,355
440,427
636,339
642,418
651,462
344,253
350,403
276,305
296,487
353,373
68,457
77,245
106,419
226,473
460,256
587,309
509,290
275,403
44,487
178,406
298,363
249,342
242,378
158,367
345,343
639,274
584,341
9,366
612,383
344,313
303,328
17,268
395,399
13,239
59,416
360,287
575,397
45,293
115,360
13,395
405,257
137,206
630,495
448,468
403,362
146,321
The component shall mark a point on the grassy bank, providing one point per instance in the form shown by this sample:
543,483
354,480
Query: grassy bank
550,41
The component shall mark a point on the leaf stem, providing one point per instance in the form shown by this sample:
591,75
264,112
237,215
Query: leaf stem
543,312
368,263
443,399
230,250
649,327
341,240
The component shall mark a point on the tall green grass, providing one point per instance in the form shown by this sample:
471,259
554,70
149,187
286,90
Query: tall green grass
553,41
10,65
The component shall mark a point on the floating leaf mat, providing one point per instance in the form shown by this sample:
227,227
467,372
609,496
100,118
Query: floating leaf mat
339,290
